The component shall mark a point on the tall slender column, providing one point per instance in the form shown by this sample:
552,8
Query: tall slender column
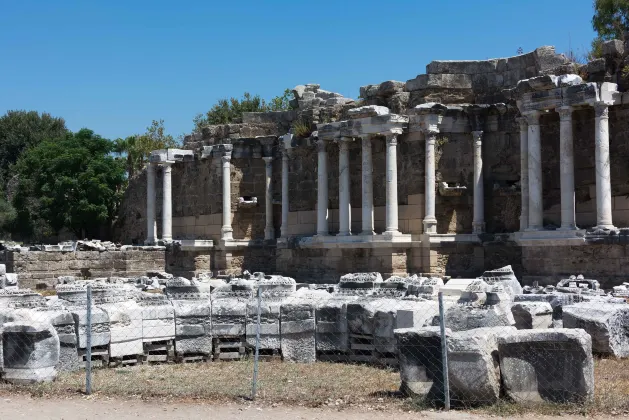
367,187
322,189
566,168
391,209
345,209
151,234
284,227
269,231
536,210
478,222
603,177
524,173
430,221
167,204
227,232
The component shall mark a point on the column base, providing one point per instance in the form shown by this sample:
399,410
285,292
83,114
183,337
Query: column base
344,234
533,228
478,227
367,233
606,226
150,242
430,225
227,233
269,234
568,228
390,234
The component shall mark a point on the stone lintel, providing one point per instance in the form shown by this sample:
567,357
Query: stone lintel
585,94
195,244
357,241
216,150
171,155
376,125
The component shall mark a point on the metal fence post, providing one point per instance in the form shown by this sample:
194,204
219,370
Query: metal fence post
254,385
444,354
88,350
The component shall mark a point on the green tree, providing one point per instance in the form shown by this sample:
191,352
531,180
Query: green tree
20,130
611,18
70,182
136,149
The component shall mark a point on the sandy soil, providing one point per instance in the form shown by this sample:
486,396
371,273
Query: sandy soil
21,407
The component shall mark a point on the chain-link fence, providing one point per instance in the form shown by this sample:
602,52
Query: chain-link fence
462,343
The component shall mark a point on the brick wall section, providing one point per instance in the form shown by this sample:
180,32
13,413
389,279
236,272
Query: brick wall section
39,269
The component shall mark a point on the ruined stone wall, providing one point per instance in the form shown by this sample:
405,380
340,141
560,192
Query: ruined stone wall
40,269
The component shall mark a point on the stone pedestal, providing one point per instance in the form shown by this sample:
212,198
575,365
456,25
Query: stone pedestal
285,208
603,178
151,228
478,222
167,206
535,171
391,216
524,173
367,187
430,221
345,210
226,229
322,189
269,231
566,168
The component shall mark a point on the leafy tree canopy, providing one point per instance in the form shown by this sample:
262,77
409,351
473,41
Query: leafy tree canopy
611,18
70,182
20,130
137,148
230,110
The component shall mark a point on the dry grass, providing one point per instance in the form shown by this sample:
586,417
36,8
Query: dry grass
312,385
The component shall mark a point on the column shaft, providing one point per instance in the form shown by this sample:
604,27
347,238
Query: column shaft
536,209
345,210
151,234
367,187
167,204
430,221
478,222
269,231
524,173
322,189
603,176
566,168
226,229
391,210
284,227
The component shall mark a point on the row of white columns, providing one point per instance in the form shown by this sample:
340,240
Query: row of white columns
391,216
167,206
531,218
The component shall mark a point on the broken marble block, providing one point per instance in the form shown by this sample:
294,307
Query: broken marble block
229,308
331,324
158,318
532,315
273,290
193,317
607,325
462,317
30,352
297,325
455,288
556,300
473,365
421,367
506,277
553,365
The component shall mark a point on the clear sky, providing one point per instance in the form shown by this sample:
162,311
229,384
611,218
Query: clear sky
113,66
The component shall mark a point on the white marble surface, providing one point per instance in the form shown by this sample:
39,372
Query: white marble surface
478,222
269,232
151,227
167,204
322,189
566,169
603,177
535,172
367,187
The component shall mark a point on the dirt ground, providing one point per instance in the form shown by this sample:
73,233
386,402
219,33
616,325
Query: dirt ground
80,408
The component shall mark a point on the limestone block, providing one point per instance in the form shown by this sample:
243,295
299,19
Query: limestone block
193,326
421,367
462,66
554,365
613,48
125,323
30,352
298,325
454,288
462,317
606,323
473,365
158,318
368,111
446,81
100,326
229,315
532,315
331,323
505,277
556,300
269,323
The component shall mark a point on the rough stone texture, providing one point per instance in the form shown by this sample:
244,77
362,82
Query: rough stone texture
547,365
298,325
606,323
462,317
532,315
41,269
30,352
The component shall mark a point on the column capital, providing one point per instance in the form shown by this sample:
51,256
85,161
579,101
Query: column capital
532,117
565,112
268,160
321,145
431,136
477,135
601,110
166,165
523,123
226,157
391,139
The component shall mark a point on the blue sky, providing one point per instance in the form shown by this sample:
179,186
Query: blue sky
113,66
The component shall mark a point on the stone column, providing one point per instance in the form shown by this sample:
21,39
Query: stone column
227,232
430,221
603,177
536,210
478,222
167,203
345,208
566,168
391,209
524,173
151,234
269,231
322,189
367,187
284,227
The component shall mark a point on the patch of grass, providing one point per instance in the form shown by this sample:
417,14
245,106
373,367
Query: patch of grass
302,128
